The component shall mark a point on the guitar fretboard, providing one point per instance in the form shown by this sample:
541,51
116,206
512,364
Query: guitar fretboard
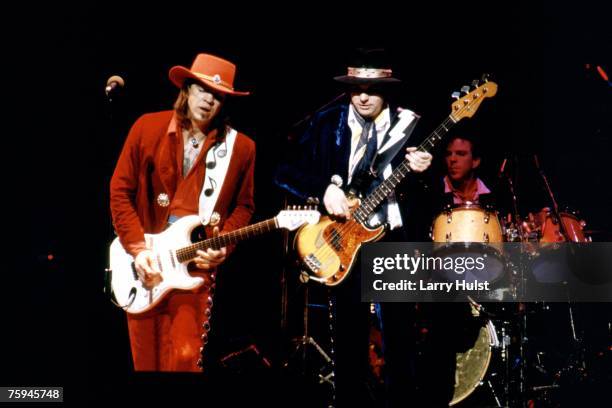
189,252
376,197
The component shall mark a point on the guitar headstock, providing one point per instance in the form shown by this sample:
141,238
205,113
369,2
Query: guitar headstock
467,105
296,216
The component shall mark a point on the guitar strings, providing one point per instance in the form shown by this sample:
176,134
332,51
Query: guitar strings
325,251
350,225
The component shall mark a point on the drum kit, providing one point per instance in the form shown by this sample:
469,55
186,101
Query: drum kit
469,229
502,363
507,365
499,360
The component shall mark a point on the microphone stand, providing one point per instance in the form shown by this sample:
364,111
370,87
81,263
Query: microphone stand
107,289
286,244
305,341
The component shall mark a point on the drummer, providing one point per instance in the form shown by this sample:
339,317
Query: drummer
451,327
461,184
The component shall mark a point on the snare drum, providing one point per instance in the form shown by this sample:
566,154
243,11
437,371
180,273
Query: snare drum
470,231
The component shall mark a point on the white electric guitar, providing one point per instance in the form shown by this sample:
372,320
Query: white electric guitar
174,249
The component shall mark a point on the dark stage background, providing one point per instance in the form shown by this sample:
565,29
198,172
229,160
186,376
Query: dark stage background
65,138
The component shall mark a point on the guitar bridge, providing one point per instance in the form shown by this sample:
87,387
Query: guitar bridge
312,262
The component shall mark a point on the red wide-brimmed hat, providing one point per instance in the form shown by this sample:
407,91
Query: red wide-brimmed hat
214,72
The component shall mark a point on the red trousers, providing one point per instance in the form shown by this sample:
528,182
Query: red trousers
169,337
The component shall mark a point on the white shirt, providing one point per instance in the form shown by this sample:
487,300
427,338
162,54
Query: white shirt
382,123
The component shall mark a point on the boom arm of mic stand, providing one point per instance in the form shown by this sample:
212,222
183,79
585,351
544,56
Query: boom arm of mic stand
307,117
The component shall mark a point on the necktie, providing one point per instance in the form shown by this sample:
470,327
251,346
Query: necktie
363,167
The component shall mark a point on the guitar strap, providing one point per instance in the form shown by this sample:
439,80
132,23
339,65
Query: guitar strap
217,162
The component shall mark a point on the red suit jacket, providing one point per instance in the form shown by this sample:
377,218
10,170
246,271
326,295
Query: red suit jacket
150,165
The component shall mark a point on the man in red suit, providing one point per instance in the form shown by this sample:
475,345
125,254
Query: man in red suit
177,163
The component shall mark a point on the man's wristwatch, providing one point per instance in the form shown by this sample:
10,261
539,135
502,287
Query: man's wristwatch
336,180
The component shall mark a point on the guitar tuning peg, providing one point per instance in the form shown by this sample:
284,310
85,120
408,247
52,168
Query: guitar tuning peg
484,78
465,89
313,201
475,83
456,95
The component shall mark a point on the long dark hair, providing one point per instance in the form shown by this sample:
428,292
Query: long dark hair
181,108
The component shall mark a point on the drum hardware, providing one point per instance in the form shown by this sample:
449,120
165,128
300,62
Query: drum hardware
473,365
517,233
548,256
551,230
547,375
448,210
492,389
555,207
549,227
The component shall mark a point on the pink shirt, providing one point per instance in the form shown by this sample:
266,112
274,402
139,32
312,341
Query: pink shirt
458,198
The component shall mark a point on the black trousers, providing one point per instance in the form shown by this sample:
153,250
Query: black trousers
352,330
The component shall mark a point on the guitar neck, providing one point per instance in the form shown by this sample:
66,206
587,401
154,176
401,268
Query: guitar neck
374,199
189,252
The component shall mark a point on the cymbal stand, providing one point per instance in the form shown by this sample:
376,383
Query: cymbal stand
555,206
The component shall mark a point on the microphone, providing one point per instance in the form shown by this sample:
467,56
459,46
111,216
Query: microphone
502,167
113,84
